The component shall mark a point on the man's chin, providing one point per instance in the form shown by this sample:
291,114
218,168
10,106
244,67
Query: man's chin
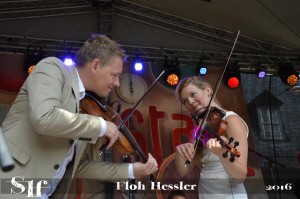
102,95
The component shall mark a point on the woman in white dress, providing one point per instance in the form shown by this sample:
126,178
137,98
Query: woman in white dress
219,178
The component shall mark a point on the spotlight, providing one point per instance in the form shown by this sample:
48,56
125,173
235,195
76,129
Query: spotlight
172,76
202,70
31,68
138,66
288,74
232,77
68,61
260,72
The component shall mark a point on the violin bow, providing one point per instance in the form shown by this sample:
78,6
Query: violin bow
202,124
152,178
140,100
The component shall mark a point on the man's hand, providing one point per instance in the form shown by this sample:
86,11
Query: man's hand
140,169
111,133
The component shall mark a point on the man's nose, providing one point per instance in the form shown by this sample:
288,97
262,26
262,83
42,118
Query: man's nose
117,83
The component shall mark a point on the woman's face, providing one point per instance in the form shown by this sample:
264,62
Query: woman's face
195,99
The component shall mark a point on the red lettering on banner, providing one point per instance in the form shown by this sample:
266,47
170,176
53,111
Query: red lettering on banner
154,129
178,132
137,114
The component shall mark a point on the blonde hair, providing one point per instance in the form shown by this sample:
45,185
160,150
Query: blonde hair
98,46
195,80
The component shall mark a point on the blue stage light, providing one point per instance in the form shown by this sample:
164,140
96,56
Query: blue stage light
202,70
68,61
261,73
138,66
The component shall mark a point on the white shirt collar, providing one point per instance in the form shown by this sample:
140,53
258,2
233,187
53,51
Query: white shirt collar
80,87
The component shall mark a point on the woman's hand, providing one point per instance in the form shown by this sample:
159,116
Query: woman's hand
215,146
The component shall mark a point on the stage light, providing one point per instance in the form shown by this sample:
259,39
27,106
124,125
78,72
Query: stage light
172,75
31,68
288,74
68,61
232,77
292,80
138,66
233,82
202,70
173,78
260,72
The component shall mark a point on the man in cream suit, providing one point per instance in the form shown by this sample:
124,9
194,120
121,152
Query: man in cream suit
46,134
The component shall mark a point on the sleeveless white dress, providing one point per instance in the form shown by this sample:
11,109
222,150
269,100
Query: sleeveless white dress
214,182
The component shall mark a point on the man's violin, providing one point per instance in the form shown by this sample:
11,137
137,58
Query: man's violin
126,143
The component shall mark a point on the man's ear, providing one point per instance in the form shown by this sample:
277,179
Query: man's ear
95,63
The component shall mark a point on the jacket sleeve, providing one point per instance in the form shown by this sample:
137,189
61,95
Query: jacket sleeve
92,167
45,86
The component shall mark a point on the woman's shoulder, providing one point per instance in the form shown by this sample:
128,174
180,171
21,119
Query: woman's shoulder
229,113
231,116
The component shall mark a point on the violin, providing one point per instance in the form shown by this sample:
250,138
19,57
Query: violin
212,117
215,127
126,143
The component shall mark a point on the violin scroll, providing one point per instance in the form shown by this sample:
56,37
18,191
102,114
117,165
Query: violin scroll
232,150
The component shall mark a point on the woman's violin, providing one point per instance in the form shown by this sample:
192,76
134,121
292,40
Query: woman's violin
126,143
215,127
211,120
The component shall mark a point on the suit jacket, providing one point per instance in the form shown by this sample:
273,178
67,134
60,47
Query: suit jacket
42,123
88,184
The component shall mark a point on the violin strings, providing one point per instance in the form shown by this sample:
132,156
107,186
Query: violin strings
129,135
126,132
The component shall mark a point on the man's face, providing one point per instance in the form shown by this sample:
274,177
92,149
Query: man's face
106,77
